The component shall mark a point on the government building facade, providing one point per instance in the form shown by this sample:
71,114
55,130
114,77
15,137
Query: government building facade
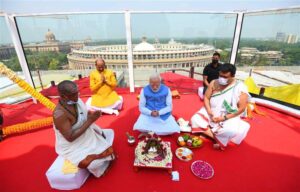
51,44
145,55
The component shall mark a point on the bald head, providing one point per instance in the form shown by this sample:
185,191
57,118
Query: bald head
100,64
67,87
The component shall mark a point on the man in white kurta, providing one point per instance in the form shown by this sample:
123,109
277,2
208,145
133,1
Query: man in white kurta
156,106
225,100
78,138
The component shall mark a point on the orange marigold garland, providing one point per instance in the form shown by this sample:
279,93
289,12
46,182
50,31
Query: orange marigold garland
35,124
28,126
24,85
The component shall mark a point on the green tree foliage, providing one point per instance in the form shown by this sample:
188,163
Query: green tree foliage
40,60
262,61
53,65
225,56
291,52
13,63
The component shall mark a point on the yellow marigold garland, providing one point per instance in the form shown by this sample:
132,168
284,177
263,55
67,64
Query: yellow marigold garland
24,85
31,125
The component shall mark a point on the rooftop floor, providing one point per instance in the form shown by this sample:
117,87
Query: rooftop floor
267,160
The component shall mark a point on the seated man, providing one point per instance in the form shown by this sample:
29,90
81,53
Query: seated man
225,100
102,85
78,139
156,107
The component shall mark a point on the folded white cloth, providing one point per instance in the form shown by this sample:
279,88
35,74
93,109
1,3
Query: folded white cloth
113,109
58,180
184,125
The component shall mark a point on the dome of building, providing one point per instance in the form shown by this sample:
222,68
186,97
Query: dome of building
50,37
144,46
172,41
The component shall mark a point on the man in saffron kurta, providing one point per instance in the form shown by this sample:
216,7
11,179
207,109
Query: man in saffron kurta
156,107
102,85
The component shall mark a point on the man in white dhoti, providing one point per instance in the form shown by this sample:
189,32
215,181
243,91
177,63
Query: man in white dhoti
225,100
78,139
156,107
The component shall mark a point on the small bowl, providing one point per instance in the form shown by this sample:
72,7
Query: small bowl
131,141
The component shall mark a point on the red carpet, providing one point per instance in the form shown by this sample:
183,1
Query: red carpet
181,83
267,160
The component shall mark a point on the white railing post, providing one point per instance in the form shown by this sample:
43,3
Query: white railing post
129,50
237,35
12,27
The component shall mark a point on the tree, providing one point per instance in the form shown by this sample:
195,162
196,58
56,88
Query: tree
13,63
225,56
262,61
53,65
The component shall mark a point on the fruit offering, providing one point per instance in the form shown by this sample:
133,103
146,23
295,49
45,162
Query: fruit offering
202,169
184,154
190,141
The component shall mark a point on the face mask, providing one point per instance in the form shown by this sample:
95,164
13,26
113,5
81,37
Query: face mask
71,102
222,81
215,61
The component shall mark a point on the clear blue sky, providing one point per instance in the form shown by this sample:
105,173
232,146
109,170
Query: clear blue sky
27,6
108,26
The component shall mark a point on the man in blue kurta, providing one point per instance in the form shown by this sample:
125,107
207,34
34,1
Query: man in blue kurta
156,108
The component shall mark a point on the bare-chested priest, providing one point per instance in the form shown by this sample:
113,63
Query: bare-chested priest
78,138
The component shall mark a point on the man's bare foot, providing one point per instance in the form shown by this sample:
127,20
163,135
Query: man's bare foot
204,136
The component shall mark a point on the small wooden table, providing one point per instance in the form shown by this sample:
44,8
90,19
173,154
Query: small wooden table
153,160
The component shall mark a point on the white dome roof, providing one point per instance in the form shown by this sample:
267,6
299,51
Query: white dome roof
172,41
144,46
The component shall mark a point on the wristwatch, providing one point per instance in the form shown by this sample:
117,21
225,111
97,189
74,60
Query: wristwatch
225,118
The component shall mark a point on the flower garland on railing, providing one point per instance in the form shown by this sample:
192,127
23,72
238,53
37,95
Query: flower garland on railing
24,85
28,126
35,124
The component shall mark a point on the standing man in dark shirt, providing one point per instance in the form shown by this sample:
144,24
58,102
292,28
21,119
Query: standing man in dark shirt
211,71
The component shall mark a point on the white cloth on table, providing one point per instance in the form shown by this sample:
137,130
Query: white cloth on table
113,109
147,123
234,129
